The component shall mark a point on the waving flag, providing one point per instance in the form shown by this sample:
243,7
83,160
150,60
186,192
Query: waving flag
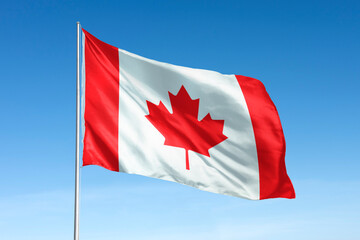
219,133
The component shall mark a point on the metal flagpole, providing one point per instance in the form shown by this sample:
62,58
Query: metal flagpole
77,155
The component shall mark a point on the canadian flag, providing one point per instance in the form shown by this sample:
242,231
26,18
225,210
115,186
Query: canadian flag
218,133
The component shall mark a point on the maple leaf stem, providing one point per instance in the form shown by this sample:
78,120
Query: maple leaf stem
187,159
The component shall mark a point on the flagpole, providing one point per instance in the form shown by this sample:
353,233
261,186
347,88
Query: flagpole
77,155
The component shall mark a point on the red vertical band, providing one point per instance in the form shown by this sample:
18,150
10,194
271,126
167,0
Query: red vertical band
101,104
270,141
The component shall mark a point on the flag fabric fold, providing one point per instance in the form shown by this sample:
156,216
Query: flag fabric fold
218,133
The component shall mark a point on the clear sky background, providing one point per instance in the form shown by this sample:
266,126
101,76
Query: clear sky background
305,52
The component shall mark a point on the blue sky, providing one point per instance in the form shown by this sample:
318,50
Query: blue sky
305,52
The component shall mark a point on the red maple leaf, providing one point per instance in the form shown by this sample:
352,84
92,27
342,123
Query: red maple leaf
182,128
